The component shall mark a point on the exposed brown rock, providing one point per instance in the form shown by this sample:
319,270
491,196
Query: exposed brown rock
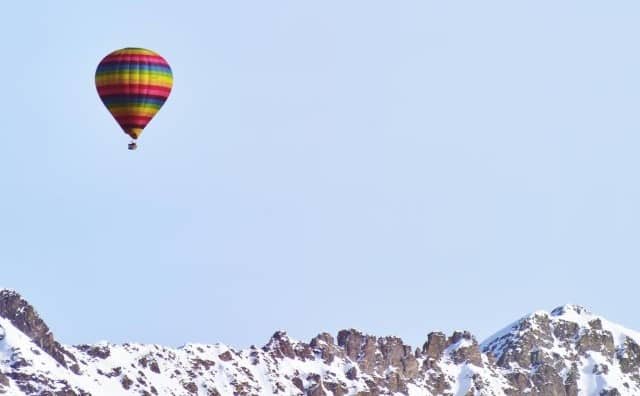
325,345
360,348
468,353
96,351
435,345
126,382
24,317
225,356
191,387
597,341
629,356
298,383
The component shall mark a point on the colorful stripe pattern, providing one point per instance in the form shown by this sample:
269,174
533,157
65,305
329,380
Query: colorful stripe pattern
133,83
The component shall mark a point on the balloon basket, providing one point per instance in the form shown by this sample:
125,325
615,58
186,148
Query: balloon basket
132,146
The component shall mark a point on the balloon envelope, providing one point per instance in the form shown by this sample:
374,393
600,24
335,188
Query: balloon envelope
133,83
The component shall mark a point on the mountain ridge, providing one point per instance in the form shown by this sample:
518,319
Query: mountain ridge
566,351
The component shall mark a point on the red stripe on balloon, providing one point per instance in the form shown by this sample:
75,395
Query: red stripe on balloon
135,120
130,89
153,59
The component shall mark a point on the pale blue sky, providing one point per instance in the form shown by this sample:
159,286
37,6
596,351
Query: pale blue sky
398,167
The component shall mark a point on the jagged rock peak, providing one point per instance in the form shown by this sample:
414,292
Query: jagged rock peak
570,308
8,292
26,319
281,345
278,339
281,335
20,312
555,353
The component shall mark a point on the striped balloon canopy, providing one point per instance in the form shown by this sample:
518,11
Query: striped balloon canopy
133,83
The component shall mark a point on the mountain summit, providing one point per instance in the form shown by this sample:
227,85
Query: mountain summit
568,351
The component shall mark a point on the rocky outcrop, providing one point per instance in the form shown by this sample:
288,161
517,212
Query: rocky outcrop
465,348
24,317
324,345
435,345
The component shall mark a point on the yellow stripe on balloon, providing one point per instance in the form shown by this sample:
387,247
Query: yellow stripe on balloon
141,112
135,51
159,79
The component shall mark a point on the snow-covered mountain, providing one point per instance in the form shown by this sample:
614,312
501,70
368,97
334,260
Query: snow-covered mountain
568,351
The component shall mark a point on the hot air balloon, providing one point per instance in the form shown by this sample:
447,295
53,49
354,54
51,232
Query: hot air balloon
133,83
